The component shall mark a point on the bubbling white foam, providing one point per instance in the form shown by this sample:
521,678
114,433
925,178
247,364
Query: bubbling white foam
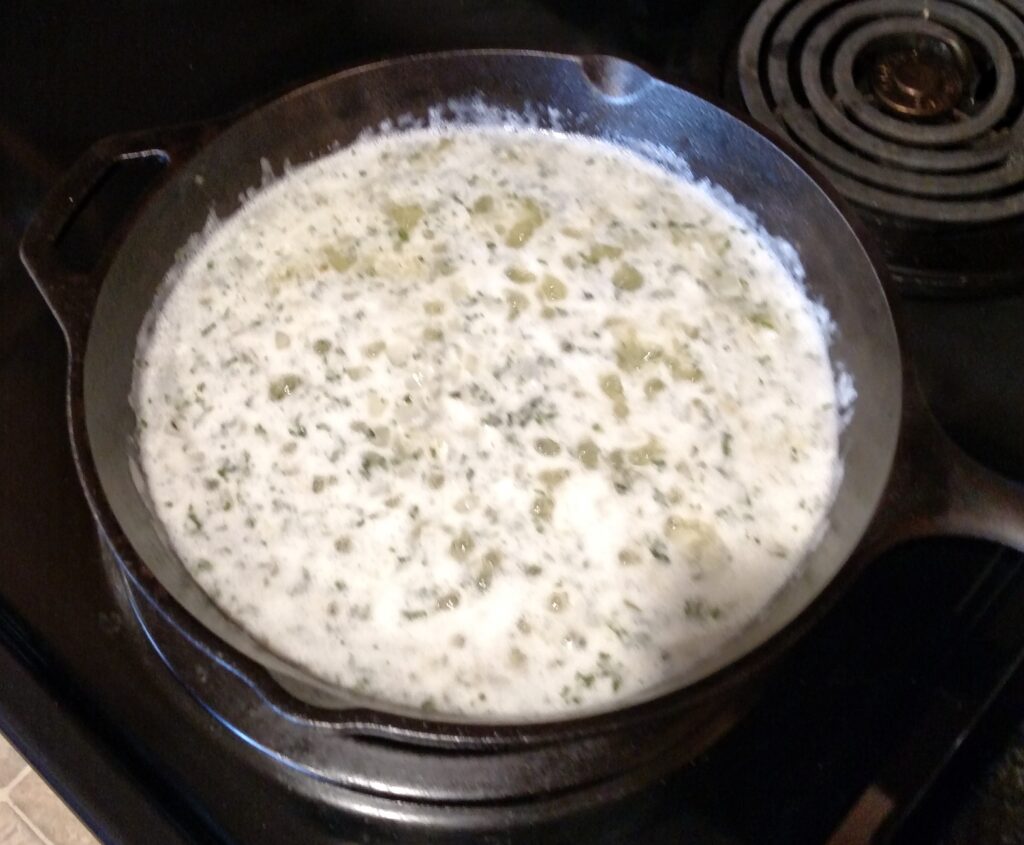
487,420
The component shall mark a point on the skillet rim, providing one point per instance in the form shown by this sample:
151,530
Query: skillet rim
395,721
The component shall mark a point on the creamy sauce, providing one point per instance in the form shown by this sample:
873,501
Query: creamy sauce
488,421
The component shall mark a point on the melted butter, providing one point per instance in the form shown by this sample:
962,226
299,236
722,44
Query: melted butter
488,421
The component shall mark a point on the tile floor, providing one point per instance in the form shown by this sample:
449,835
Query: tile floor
30,812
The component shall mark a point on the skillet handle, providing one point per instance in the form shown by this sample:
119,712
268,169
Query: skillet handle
940,490
71,294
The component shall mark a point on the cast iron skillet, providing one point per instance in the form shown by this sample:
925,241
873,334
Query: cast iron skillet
903,478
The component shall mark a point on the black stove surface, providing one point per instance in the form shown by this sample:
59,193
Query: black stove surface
914,109
883,725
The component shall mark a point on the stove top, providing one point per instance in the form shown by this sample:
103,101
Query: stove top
912,108
914,111
883,724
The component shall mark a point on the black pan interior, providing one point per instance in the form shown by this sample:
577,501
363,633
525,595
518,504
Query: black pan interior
596,96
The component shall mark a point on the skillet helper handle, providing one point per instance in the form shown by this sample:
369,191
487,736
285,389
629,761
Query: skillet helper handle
943,491
70,293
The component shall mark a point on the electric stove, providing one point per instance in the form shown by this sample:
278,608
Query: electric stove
895,720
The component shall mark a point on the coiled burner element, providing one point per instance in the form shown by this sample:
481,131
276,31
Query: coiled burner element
913,108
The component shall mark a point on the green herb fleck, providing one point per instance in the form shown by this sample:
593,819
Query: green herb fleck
598,252
700,610
553,289
543,507
659,551
192,518
762,319
588,453
449,601
372,461
519,275
284,386
461,546
483,204
522,230
652,387
546,446
627,277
